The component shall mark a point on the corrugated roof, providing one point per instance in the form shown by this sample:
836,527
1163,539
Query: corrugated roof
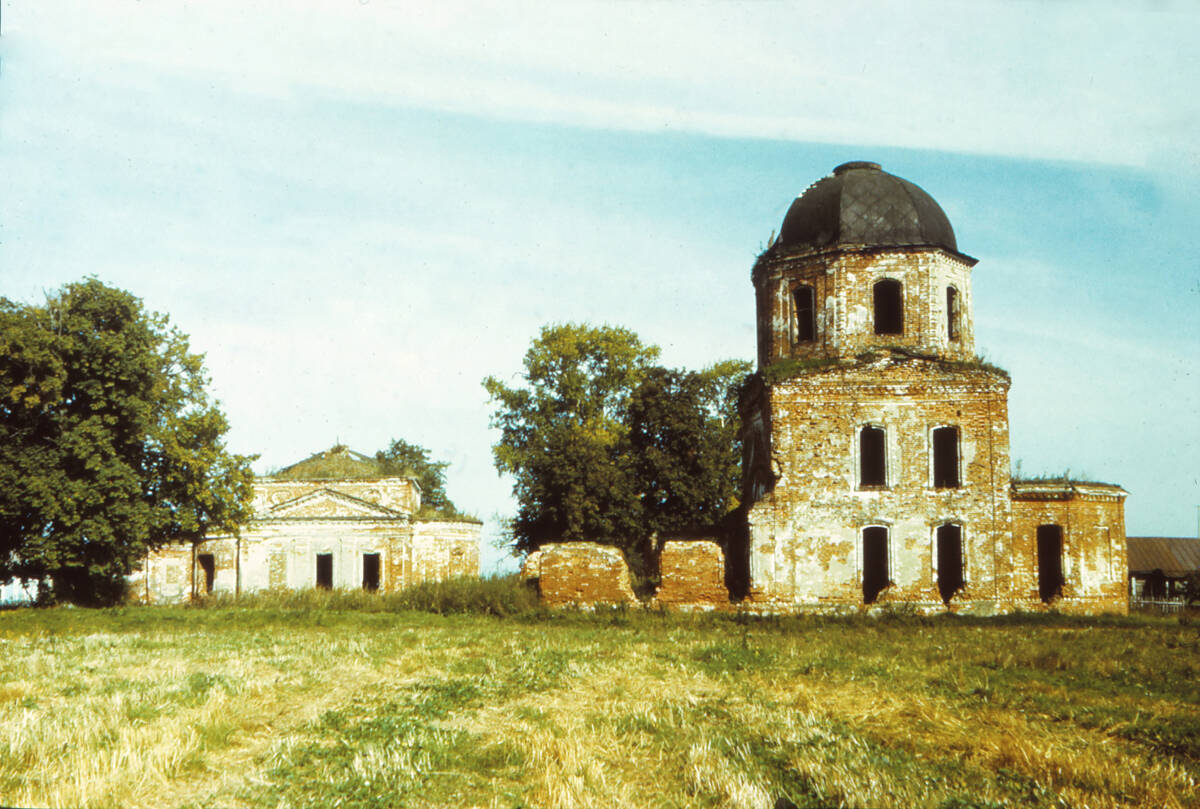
1174,556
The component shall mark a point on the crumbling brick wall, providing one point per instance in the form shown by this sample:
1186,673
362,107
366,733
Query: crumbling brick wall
582,574
692,575
806,532
1095,566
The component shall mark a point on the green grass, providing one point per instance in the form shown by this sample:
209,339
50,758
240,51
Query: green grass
338,699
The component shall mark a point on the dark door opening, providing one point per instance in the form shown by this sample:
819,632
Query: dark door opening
945,458
889,307
325,571
1049,562
872,456
209,565
370,571
875,562
949,561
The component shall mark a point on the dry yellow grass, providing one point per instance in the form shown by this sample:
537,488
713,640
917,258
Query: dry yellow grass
262,708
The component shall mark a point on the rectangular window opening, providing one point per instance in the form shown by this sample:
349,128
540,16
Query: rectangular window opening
806,314
949,561
325,571
1049,562
875,576
872,451
370,579
889,306
945,458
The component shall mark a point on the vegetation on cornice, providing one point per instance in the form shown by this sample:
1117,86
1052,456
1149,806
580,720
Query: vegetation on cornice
1059,479
792,367
977,363
784,369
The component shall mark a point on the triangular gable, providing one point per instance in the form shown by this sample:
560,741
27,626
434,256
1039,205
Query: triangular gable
327,503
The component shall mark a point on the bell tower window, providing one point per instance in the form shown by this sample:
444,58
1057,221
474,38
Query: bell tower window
804,298
889,307
952,312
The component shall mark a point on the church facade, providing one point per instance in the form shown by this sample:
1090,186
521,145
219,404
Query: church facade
876,466
332,521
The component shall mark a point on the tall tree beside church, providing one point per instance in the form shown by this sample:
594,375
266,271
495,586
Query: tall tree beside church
684,439
605,445
109,443
563,434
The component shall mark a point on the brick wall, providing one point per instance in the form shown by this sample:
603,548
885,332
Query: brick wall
806,533
1094,562
692,576
843,282
582,574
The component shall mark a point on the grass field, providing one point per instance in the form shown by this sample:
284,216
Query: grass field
339,701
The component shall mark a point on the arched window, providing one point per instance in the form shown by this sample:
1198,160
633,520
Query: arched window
952,312
945,458
872,456
875,575
889,307
949,560
806,313
1049,562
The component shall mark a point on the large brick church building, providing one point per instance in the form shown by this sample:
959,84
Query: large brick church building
877,448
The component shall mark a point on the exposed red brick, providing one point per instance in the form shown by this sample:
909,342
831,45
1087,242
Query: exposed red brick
693,576
581,574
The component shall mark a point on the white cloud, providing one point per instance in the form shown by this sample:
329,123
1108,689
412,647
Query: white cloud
1090,81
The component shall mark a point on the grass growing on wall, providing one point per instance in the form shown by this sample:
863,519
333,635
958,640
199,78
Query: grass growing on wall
316,704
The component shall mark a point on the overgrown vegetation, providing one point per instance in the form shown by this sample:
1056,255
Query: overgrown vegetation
272,703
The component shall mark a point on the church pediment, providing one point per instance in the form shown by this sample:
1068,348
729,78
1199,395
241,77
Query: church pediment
328,504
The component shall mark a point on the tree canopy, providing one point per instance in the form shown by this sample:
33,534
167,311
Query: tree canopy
109,443
411,460
603,444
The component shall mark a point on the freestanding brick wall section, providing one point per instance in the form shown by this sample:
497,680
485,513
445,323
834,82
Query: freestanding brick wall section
580,574
692,576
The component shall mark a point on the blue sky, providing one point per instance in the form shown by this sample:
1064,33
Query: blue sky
358,210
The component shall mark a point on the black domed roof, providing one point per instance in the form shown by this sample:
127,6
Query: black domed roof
860,204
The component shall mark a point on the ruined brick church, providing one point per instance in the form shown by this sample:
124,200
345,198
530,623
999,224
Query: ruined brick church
333,520
876,465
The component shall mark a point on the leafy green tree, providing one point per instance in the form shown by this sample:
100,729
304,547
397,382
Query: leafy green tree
109,444
605,445
411,460
563,434
684,437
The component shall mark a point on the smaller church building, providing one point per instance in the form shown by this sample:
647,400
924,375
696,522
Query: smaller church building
330,521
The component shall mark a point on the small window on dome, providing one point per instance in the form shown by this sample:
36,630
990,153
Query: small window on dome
806,313
952,312
889,307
